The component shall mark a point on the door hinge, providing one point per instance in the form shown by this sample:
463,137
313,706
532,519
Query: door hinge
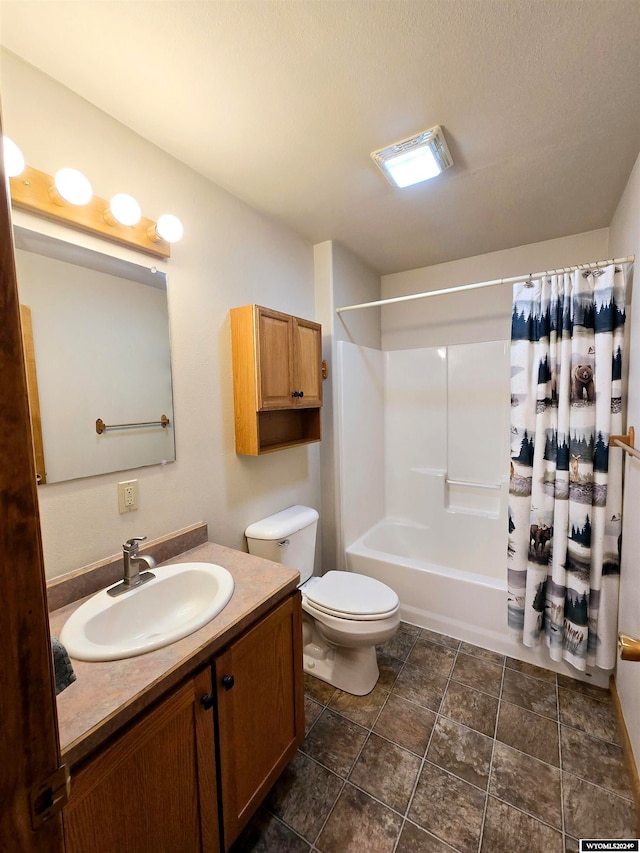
49,797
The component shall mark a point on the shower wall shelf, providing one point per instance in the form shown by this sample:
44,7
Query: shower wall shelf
626,442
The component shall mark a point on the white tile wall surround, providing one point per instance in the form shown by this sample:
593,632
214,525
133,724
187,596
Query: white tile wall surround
478,409
432,414
361,437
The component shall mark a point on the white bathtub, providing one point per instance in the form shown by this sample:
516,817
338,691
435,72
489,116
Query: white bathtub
463,604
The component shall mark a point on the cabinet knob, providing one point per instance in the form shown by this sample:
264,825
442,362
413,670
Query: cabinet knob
228,681
294,393
300,393
208,701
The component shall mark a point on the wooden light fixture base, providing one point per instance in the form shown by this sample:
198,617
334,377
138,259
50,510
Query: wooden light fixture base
30,191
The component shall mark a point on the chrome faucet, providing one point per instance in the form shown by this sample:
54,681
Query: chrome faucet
132,562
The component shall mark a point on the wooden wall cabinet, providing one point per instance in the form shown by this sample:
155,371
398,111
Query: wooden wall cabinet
187,775
277,379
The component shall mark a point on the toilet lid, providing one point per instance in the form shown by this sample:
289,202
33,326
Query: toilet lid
348,594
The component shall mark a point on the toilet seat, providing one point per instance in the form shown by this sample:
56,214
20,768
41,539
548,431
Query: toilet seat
348,595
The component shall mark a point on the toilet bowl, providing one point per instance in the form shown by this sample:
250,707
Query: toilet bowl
345,615
348,615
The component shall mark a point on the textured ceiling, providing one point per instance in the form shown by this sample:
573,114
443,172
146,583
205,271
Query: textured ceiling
281,103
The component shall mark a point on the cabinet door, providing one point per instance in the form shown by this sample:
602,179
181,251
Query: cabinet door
274,360
153,788
260,711
307,362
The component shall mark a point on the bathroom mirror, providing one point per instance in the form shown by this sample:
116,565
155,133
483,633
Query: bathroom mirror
96,336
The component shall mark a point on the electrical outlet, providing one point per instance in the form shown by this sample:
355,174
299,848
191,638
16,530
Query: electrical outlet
127,495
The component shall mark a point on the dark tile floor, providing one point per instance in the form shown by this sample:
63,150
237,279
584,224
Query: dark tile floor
456,749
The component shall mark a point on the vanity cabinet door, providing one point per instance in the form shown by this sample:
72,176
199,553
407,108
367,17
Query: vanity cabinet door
153,788
260,709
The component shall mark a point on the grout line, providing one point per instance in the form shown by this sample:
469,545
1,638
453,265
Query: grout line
628,799
353,785
534,817
357,757
430,834
493,749
562,822
558,718
474,687
606,700
286,825
329,813
424,757
529,711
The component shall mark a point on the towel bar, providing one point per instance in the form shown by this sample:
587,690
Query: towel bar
101,426
626,442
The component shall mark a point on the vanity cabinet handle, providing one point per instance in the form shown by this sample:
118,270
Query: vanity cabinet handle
228,681
208,701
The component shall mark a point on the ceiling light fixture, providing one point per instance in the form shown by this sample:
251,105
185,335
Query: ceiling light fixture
13,158
415,159
68,198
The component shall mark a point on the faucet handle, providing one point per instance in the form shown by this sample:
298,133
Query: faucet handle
131,545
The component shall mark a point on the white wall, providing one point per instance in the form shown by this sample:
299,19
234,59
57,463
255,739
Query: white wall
230,255
624,239
102,351
355,282
480,315
341,278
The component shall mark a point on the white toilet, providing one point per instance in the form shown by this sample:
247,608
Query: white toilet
345,615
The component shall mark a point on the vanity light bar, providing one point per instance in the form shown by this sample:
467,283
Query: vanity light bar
31,191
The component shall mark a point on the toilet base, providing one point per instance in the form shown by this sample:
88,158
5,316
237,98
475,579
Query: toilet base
354,670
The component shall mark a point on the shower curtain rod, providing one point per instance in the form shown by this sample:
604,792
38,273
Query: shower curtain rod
480,284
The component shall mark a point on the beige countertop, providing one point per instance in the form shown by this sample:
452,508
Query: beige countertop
107,695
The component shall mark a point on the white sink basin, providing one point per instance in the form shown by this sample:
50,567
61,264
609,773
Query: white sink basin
179,600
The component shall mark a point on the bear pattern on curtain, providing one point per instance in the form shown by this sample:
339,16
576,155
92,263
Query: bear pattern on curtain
565,492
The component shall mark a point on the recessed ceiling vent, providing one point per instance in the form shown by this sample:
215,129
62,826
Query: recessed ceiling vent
415,159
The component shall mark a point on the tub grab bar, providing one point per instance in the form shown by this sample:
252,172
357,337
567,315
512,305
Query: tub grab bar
491,486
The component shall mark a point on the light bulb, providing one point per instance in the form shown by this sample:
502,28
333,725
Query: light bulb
13,158
169,228
73,186
125,209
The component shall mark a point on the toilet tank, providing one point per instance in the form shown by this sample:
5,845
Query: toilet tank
288,537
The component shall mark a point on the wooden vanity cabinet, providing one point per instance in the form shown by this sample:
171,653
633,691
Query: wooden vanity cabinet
260,711
277,379
153,788
187,775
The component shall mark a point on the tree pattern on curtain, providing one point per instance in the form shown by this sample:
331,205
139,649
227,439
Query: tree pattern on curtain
565,493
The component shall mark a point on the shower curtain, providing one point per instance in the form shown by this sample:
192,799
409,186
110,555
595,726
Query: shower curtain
565,494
